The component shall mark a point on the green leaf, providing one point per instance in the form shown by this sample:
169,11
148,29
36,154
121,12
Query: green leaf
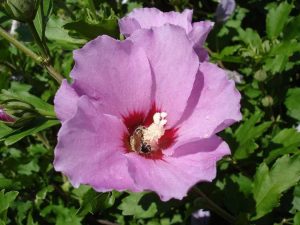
29,168
4,130
5,182
131,206
42,17
287,48
38,104
91,31
94,201
270,184
297,219
22,208
292,29
237,194
285,142
56,32
30,220
277,18
292,103
41,195
296,199
36,125
64,215
6,199
247,133
276,64
250,37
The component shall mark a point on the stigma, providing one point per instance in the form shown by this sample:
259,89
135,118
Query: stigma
145,139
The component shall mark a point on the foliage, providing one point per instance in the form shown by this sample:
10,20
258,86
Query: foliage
258,184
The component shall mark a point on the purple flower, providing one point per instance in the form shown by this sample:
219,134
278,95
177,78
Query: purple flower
143,113
152,17
5,117
224,10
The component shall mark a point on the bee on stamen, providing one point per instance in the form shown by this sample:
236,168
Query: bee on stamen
137,142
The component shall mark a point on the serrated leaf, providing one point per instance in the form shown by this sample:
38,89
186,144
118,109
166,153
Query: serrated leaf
277,18
56,32
292,103
292,29
287,48
22,208
285,142
91,31
29,168
64,215
276,64
250,37
131,206
42,17
247,133
270,184
94,201
6,199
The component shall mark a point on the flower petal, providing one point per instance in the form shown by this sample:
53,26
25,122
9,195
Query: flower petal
89,150
174,65
173,176
217,107
200,32
225,9
198,36
65,101
116,73
152,17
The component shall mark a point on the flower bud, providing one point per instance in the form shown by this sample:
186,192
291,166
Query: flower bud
224,10
21,10
5,117
267,101
260,75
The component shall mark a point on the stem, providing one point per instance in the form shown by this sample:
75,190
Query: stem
43,48
44,141
8,65
40,60
214,207
57,76
20,46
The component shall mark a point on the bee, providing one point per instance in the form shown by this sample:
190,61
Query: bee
137,142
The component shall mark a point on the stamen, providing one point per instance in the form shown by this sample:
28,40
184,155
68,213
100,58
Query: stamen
145,139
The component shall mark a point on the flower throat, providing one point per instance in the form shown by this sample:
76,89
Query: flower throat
144,140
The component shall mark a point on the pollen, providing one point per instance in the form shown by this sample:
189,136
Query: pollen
145,139
156,129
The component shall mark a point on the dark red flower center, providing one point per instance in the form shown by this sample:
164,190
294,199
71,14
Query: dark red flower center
145,136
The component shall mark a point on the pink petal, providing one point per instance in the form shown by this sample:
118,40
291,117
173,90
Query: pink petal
172,177
200,31
152,17
65,101
198,36
217,108
89,150
174,65
5,117
116,73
